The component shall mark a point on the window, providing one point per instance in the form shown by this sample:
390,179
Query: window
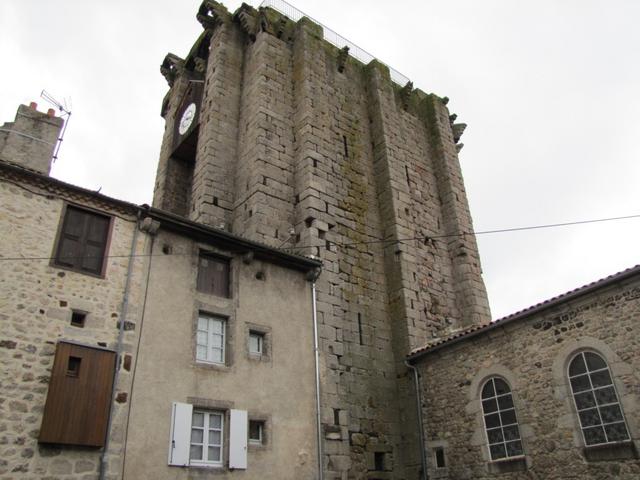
596,400
213,275
205,447
256,432
210,339
501,424
73,367
256,343
198,437
78,319
82,242
440,460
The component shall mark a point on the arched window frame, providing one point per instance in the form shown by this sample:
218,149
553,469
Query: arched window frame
579,408
491,429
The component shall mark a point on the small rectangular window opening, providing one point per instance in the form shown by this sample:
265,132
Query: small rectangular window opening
346,147
73,367
440,460
78,319
256,343
360,329
336,416
256,432
378,458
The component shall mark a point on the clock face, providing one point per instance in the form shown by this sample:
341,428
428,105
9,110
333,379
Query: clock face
187,118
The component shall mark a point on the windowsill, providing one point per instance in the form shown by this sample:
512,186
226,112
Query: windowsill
77,270
510,464
211,366
611,451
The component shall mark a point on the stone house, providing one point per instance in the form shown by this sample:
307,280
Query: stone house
229,330
548,392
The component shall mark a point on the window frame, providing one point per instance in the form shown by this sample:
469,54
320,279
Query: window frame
261,429
500,426
261,336
209,317
220,259
205,438
55,262
592,390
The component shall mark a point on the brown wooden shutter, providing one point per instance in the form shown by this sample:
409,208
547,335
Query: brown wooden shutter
83,240
77,407
213,275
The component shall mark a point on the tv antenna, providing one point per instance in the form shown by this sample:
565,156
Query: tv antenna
64,112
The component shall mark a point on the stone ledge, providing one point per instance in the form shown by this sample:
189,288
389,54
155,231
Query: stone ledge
515,464
613,451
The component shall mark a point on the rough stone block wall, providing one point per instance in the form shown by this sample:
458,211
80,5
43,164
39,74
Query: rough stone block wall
532,354
354,165
37,300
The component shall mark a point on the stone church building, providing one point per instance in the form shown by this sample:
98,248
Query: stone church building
304,299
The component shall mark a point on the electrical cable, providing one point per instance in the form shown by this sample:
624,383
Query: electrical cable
424,238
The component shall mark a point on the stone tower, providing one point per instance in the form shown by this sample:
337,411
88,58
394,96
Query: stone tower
275,134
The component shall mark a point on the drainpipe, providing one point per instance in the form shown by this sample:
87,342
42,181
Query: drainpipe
123,317
423,452
313,276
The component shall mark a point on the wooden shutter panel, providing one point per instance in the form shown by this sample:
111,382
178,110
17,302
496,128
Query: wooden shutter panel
71,238
97,229
238,439
77,408
180,439
213,276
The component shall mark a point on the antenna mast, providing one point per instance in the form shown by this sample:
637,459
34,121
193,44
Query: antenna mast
64,112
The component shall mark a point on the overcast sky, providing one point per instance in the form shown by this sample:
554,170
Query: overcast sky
549,89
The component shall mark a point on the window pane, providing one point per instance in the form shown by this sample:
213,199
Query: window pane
492,420
497,451
215,326
487,390
514,448
611,413
198,419
593,436
577,366
579,384
508,417
215,420
214,454
589,417
606,395
495,435
601,379
201,352
501,386
216,340
585,400
214,437
196,435
255,343
195,452
216,355
511,433
255,430
505,402
594,362
617,432
203,324
201,338
489,406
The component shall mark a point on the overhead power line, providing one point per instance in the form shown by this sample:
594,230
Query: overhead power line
369,242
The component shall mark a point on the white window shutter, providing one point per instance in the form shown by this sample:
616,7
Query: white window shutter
238,439
181,414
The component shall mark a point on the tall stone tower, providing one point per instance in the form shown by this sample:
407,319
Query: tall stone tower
276,134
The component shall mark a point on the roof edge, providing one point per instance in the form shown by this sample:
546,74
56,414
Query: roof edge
528,312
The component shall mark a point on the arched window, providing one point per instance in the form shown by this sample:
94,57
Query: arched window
500,420
596,400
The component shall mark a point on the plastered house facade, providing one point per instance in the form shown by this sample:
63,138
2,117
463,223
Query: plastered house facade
303,300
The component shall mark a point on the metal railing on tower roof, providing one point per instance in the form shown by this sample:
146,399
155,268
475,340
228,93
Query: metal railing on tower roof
333,37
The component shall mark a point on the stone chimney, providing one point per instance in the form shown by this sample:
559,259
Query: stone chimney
31,138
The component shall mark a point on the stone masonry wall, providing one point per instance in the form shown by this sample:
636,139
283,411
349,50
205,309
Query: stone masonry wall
532,354
328,157
35,311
